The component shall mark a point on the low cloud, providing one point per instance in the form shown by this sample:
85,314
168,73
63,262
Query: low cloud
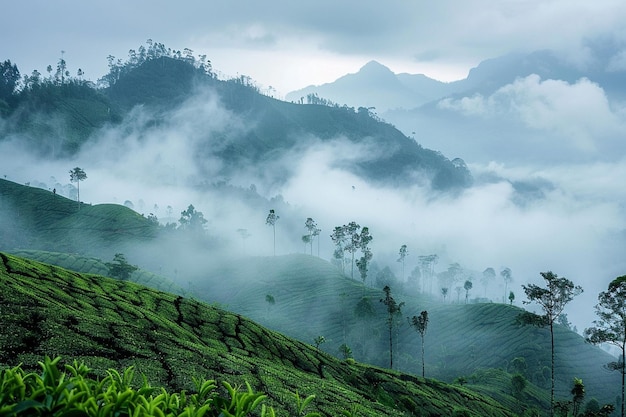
578,115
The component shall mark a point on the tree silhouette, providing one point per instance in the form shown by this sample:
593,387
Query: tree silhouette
420,324
403,253
77,175
444,293
468,286
271,220
552,299
361,263
507,275
394,310
488,276
192,220
120,268
611,325
311,227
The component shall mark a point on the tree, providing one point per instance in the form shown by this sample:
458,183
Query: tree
9,76
192,220
339,239
444,293
271,220
427,264
489,274
578,395
468,286
318,341
120,268
306,239
354,243
507,275
552,299
311,227
269,299
611,325
420,324
345,351
394,310
403,254
366,253
518,383
77,175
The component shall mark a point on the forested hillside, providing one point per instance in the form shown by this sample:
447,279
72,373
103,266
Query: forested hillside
57,115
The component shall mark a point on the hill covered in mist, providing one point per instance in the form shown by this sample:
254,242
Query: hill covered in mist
233,126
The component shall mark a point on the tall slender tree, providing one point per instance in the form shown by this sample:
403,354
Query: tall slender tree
311,227
467,286
611,325
339,239
507,275
354,243
77,175
394,310
366,254
420,324
489,275
552,299
271,220
403,253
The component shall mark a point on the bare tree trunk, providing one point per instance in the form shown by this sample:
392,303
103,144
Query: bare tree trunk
423,373
552,370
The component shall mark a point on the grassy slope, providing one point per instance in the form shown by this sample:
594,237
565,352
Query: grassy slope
461,340
170,339
56,222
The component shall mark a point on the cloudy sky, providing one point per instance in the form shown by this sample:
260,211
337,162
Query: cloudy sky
291,44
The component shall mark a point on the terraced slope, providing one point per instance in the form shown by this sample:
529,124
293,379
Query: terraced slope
313,298
170,339
92,265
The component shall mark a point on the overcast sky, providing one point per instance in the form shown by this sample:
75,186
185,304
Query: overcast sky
290,44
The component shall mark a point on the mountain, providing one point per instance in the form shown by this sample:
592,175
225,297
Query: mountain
537,107
375,85
243,129
171,340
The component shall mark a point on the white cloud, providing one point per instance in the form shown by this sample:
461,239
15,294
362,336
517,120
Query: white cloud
579,114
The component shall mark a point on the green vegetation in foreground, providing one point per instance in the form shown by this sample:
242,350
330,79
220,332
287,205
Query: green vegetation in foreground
54,394
173,341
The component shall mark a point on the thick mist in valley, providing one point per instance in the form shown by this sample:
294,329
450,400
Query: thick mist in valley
529,216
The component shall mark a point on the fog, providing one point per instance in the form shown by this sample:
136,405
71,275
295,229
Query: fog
528,216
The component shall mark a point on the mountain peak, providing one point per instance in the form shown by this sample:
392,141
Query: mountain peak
375,67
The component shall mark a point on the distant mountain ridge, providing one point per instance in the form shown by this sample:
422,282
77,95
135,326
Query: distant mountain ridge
530,108
375,85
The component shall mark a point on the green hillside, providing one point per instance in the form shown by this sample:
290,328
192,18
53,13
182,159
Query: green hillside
107,323
33,218
463,340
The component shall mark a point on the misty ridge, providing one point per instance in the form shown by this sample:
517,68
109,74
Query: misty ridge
161,154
